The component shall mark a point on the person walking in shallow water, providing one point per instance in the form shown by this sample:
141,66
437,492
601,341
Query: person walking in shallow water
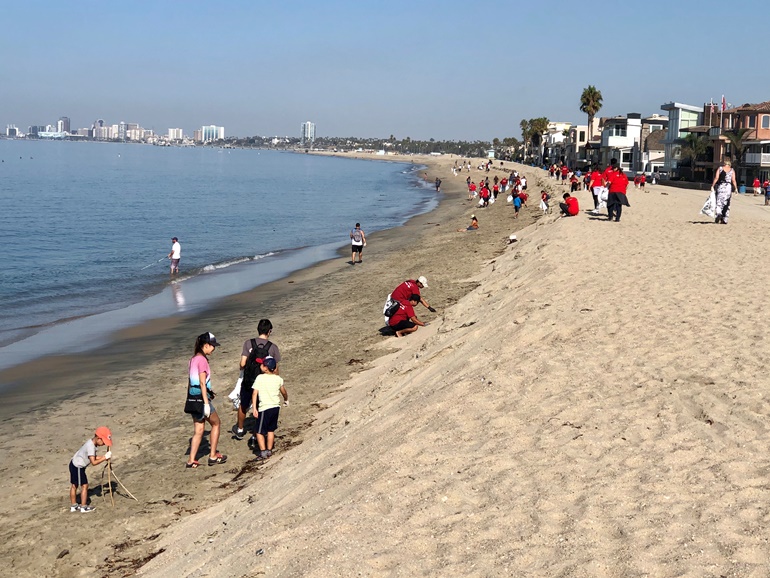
357,243
175,255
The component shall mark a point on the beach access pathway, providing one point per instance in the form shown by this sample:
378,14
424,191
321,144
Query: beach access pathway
596,407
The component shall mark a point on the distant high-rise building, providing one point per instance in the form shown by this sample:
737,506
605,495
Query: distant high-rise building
308,132
122,128
11,130
211,133
64,124
197,135
175,134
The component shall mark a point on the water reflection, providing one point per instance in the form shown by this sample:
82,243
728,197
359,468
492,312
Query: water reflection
176,291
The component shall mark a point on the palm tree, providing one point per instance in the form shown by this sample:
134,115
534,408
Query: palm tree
590,104
526,132
737,146
693,146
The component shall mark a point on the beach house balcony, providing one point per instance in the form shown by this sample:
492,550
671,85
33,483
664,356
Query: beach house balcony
761,159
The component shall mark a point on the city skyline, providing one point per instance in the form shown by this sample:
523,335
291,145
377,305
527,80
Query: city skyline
410,69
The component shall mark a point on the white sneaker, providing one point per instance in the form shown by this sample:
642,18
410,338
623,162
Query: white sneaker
75,508
86,509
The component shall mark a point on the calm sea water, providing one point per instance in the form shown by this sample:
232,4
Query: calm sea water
85,227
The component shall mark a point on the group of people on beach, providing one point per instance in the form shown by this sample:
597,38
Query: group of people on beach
487,191
258,393
399,307
608,188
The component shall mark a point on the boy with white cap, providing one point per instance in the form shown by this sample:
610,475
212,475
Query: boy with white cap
84,457
410,287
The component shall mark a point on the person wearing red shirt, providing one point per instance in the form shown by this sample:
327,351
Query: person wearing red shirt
404,321
570,206
608,171
564,171
596,185
617,195
757,186
642,180
410,287
504,184
471,191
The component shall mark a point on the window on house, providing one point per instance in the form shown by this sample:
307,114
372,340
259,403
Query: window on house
583,134
765,121
626,159
618,130
751,121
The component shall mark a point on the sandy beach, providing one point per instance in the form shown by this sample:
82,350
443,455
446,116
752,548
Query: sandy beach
326,323
589,401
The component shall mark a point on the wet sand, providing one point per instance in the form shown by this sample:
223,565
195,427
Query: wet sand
326,322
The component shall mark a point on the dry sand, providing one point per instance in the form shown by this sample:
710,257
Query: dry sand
593,403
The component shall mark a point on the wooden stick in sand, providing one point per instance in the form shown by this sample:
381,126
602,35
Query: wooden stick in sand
109,481
122,486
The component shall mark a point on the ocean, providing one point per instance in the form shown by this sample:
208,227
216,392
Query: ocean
85,229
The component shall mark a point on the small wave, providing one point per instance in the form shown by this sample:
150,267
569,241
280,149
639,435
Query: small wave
216,266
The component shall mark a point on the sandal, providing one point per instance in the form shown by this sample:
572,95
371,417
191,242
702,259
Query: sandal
219,459
194,464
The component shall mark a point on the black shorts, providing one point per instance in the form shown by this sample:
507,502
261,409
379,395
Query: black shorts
268,420
246,393
77,476
401,325
357,248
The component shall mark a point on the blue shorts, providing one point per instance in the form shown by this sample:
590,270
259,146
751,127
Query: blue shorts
268,420
78,476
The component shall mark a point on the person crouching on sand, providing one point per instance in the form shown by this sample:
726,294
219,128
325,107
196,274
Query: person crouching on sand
404,320
570,207
84,457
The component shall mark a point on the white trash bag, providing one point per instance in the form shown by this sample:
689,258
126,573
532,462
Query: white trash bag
710,206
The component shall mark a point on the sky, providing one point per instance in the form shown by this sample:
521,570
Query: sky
445,69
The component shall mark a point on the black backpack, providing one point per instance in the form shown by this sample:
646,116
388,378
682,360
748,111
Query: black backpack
252,369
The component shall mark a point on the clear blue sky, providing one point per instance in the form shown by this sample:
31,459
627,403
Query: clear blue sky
423,69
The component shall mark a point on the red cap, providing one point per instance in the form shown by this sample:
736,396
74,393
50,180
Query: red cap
105,435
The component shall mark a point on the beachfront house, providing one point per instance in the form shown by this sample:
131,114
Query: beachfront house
653,152
621,139
554,142
755,160
681,117
576,147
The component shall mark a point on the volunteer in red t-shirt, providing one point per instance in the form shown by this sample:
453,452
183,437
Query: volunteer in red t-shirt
596,185
564,171
410,287
404,321
757,186
570,206
617,196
